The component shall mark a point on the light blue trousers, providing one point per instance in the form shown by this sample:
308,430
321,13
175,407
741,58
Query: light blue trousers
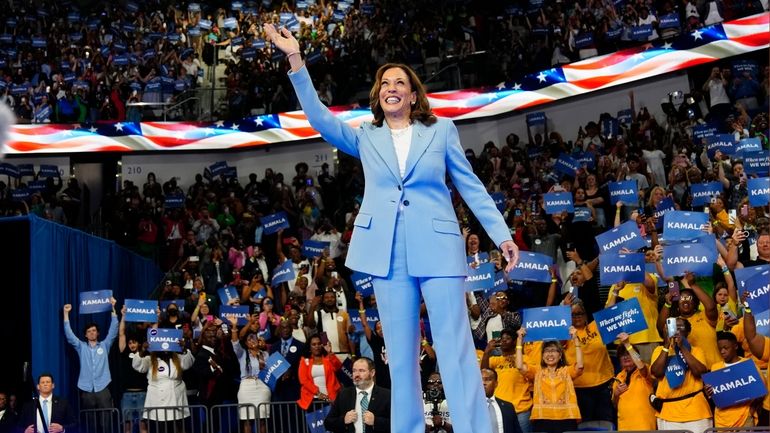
398,301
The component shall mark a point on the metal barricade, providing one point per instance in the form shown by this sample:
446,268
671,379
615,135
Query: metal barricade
287,416
171,419
232,418
99,421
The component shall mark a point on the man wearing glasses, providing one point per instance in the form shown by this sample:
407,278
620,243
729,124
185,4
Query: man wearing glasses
436,410
495,317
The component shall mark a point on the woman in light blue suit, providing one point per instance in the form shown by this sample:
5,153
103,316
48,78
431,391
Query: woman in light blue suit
406,234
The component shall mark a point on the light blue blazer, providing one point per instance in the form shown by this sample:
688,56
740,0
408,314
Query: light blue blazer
435,246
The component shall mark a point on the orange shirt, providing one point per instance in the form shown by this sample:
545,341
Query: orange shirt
634,409
689,409
512,386
597,367
554,395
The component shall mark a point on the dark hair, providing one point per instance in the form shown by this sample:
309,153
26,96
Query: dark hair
729,336
89,326
687,324
45,374
621,351
494,373
556,344
510,332
420,110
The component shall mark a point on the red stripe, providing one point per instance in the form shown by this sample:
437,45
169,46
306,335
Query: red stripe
250,144
758,40
41,130
170,142
755,20
30,146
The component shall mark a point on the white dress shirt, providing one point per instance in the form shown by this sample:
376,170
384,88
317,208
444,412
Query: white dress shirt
491,401
359,424
49,403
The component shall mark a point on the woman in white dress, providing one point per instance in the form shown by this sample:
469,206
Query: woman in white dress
252,389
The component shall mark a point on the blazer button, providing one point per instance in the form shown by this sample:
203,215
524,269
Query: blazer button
406,202
399,187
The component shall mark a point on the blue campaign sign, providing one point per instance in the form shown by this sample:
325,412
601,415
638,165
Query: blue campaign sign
558,202
20,194
345,374
736,384
312,249
624,191
480,278
610,128
703,192
582,214
275,366
174,201
164,339
684,226
500,285
669,21
625,116
478,258
273,223
230,173
26,169
625,317
566,165
537,118
9,169
204,24
763,323
372,317
758,288
586,159
241,312
759,191
625,235
748,145
315,419
614,268
95,302
697,258
218,167
230,23
756,162
641,33
36,186
532,267
741,66
702,132
584,40
178,302
546,323
499,199
228,293
663,207
363,283
141,310
722,142
650,268
283,273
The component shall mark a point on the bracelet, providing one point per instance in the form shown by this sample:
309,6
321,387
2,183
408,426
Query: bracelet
667,305
628,346
725,270
554,280
519,347
665,349
361,311
746,310
424,343
288,56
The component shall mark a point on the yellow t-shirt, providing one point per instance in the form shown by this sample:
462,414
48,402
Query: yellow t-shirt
690,409
704,336
732,416
737,330
721,319
597,367
634,409
554,394
649,303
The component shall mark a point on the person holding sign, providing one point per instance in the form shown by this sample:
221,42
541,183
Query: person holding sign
739,415
252,390
555,408
165,387
632,388
317,373
593,386
406,154
678,366
759,345
134,384
93,354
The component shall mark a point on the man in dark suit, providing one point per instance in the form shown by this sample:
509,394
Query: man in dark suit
210,369
364,408
56,412
8,417
502,415
287,388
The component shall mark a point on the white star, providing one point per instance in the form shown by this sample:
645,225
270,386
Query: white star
516,86
667,46
697,35
220,124
119,126
541,77
234,127
501,86
258,121
92,130
209,131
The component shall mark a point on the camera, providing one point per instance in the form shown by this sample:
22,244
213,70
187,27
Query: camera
435,395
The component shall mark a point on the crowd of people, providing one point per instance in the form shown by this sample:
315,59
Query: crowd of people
63,64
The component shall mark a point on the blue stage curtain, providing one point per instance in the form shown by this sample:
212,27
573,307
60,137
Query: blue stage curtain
64,262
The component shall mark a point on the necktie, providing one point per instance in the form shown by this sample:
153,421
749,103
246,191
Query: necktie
45,413
493,415
364,401
285,348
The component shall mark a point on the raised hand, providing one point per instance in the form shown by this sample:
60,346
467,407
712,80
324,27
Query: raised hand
284,40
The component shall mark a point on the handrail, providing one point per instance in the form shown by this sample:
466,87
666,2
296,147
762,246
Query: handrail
172,107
